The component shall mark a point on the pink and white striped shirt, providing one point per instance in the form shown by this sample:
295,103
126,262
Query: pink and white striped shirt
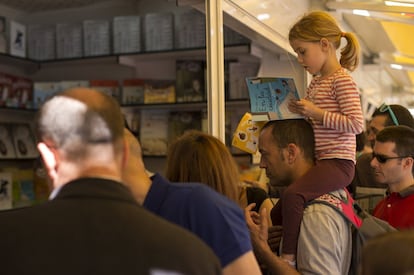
338,95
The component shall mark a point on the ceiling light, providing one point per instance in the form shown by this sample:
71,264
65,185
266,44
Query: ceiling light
361,12
398,4
263,16
396,66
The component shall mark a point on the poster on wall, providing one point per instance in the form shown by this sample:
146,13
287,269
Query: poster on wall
17,39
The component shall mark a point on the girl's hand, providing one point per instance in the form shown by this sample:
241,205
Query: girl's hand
306,108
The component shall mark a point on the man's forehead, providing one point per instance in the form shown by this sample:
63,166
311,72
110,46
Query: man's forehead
384,147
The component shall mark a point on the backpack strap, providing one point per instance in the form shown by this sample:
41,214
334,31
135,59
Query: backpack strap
344,206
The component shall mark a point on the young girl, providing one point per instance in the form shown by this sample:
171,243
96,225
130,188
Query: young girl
332,104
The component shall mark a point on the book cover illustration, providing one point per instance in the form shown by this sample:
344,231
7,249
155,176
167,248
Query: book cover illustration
6,191
182,121
44,90
22,95
271,95
107,86
190,81
6,142
246,136
23,140
159,91
6,89
133,91
154,132
17,39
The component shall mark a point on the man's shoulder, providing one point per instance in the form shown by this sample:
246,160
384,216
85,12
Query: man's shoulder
191,191
325,203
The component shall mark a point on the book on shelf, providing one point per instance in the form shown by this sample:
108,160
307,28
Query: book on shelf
127,34
24,141
158,31
133,119
154,132
246,135
159,91
3,35
133,91
69,40
6,89
96,37
6,142
238,71
43,90
181,121
17,39
69,84
107,86
232,119
6,190
41,40
190,29
190,81
22,186
22,95
270,97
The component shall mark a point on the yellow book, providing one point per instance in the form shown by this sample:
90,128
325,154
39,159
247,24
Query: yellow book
247,132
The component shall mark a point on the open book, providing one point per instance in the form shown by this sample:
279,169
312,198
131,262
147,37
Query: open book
270,96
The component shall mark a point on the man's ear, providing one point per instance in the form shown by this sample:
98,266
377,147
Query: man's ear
292,152
409,163
50,159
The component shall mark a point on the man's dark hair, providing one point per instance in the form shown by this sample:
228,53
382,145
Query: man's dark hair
401,113
296,131
402,136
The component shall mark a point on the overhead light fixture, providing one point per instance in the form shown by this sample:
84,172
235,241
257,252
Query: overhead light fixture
263,16
396,66
399,4
361,12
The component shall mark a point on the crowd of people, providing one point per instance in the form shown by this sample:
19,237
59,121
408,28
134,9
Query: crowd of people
107,214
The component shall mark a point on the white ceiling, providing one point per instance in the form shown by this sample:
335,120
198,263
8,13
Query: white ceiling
386,35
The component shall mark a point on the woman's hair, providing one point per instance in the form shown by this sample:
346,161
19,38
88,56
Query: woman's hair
317,25
199,157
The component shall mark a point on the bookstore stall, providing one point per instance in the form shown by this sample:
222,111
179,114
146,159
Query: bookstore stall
152,56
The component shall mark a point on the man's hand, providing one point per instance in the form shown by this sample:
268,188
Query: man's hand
258,227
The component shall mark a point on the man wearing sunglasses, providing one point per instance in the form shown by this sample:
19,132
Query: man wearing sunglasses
393,164
383,116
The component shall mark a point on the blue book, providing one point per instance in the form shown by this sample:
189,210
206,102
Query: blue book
270,96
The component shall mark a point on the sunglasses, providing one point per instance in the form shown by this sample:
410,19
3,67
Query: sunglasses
386,108
384,159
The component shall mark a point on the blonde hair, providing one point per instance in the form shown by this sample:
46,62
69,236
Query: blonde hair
317,25
199,157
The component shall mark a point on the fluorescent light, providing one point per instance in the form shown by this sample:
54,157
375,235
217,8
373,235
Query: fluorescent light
361,12
396,66
263,16
398,4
